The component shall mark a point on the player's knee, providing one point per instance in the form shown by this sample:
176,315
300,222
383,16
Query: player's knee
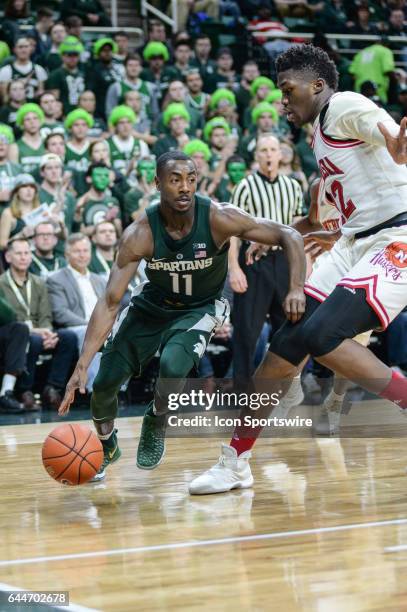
106,384
319,339
175,362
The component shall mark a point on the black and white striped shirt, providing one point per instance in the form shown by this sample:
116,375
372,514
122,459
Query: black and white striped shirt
279,200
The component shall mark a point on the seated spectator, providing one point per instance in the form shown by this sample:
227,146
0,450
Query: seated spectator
260,89
15,98
51,59
121,39
33,75
30,148
132,82
202,59
236,170
68,81
44,259
144,194
217,134
362,26
176,118
199,151
125,149
142,127
55,143
225,76
264,120
16,220
374,63
91,12
41,32
14,338
182,57
78,124
54,192
196,98
49,105
87,101
16,14
8,170
177,93
158,74
250,73
99,151
102,72
28,296
74,292
98,204
104,243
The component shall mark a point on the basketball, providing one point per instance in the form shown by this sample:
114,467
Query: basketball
72,454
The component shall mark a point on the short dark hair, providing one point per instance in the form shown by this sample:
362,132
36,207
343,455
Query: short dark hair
94,165
44,11
11,242
170,156
121,33
132,56
51,135
73,21
307,58
235,159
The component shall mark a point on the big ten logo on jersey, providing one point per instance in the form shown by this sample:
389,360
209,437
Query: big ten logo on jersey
328,170
199,250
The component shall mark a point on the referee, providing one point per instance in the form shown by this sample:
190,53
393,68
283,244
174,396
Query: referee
260,288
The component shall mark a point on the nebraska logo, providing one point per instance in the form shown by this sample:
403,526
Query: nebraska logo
391,259
396,253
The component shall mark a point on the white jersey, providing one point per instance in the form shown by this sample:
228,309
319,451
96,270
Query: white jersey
358,174
327,213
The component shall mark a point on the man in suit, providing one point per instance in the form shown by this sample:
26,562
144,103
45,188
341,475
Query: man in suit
74,292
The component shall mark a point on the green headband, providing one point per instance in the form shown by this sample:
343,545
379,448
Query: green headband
197,146
154,49
71,44
122,112
101,43
214,123
259,82
176,109
7,132
264,107
31,107
78,113
222,94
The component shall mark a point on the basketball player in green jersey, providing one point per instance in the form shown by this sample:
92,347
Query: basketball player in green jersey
184,240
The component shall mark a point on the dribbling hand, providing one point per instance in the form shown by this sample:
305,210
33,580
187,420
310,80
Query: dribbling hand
78,380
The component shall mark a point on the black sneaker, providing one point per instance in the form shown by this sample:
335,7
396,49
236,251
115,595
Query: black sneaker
9,404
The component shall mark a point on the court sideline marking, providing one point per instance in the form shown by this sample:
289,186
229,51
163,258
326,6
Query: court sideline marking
71,608
202,543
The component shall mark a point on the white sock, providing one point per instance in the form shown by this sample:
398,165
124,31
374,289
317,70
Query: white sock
8,383
105,436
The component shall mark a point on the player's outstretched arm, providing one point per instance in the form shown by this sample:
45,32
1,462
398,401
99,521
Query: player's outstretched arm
135,244
396,144
229,221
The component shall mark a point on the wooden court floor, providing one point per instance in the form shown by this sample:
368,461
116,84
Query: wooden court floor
324,529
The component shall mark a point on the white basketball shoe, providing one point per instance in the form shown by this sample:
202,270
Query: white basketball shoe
293,397
231,472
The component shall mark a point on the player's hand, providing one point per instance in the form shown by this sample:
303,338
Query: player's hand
78,380
325,240
255,252
396,145
238,280
294,304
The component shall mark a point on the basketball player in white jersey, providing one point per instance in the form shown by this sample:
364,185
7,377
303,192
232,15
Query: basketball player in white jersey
361,154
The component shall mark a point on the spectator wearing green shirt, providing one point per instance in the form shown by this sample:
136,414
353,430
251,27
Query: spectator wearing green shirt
78,124
218,135
182,56
104,242
91,12
236,170
16,99
52,60
177,93
176,118
8,170
260,89
54,192
49,105
68,81
87,101
125,148
30,148
374,63
44,258
158,74
264,120
196,98
98,204
144,194
132,82
202,60
102,72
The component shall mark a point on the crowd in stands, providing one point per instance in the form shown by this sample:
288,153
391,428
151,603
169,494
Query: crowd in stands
82,123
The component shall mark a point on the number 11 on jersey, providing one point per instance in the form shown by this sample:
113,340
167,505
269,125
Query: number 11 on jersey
176,282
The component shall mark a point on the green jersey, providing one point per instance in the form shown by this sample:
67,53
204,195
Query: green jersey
185,273
95,211
122,151
98,264
132,202
69,84
78,163
28,157
44,266
67,214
